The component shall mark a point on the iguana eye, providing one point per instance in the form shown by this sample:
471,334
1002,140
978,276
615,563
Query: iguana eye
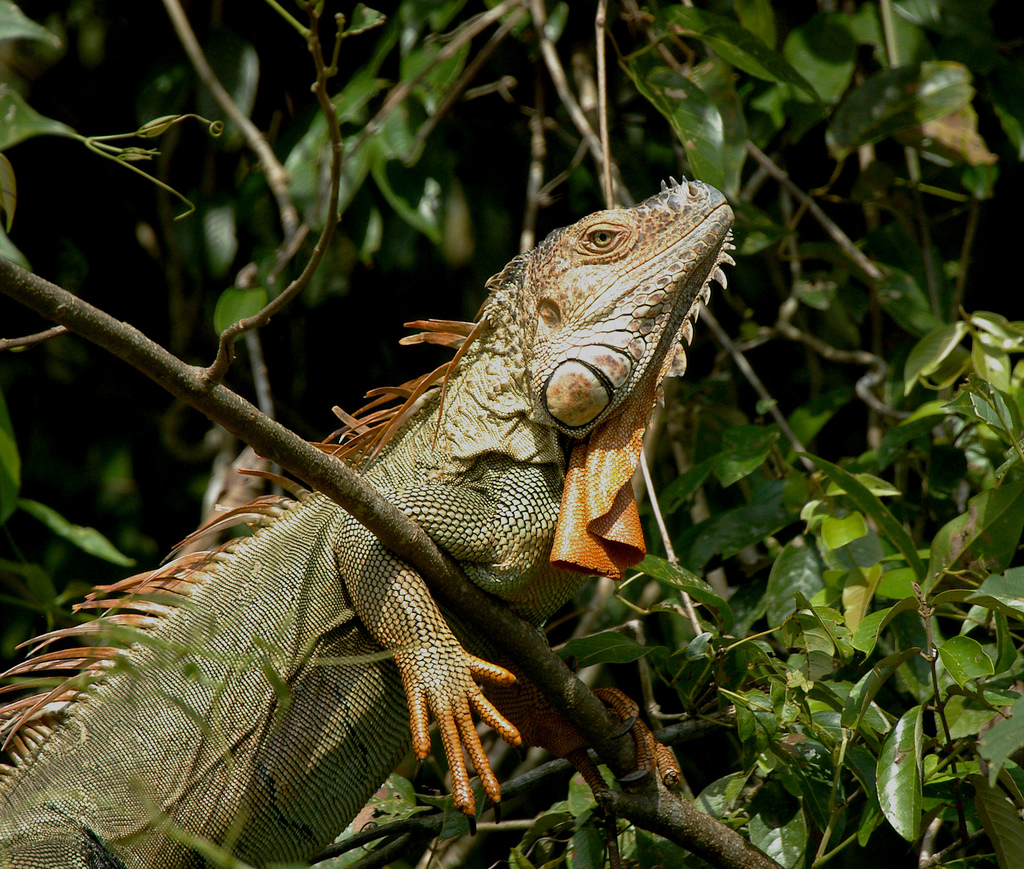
604,239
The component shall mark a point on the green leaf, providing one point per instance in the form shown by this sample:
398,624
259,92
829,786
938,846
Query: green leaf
836,532
930,352
691,114
236,64
866,634
965,659
899,99
608,647
8,190
10,252
1003,739
586,850
1005,334
858,593
823,52
869,503
237,303
14,24
899,775
1003,593
87,539
678,577
580,798
758,17
808,419
424,215
874,485
967,717
363,18
796,569
895,440
682,488
779,829
859,700
22,122
756,724
738,46
897,583
905,301
1001,820
984,538
717,80
1006,89
436,82
10,464
732,531
979,400
220,237
744,450
719,797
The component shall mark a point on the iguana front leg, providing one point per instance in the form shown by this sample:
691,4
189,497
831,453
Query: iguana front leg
439,676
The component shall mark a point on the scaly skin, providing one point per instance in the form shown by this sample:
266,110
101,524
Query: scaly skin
253,698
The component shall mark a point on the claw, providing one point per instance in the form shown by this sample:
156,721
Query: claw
634,777
472,824
626,727
497,813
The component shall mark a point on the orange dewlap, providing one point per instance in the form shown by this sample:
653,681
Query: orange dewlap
598,527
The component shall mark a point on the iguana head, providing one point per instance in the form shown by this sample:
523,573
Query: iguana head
609,296
607,301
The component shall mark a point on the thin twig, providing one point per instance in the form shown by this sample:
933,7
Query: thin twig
602,102
32,340
670,553
215,373
837,235
398,94
965,257
535,177
784,327
561,82
741,362
468,74
277,178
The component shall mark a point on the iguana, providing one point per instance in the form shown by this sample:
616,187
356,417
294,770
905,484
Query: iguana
256,695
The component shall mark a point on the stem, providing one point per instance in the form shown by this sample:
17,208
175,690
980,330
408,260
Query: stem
602,103
277,178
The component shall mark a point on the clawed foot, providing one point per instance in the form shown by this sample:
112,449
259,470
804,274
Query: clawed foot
443,682
651,755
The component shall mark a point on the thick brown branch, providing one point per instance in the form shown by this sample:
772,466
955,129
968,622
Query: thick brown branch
679,821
